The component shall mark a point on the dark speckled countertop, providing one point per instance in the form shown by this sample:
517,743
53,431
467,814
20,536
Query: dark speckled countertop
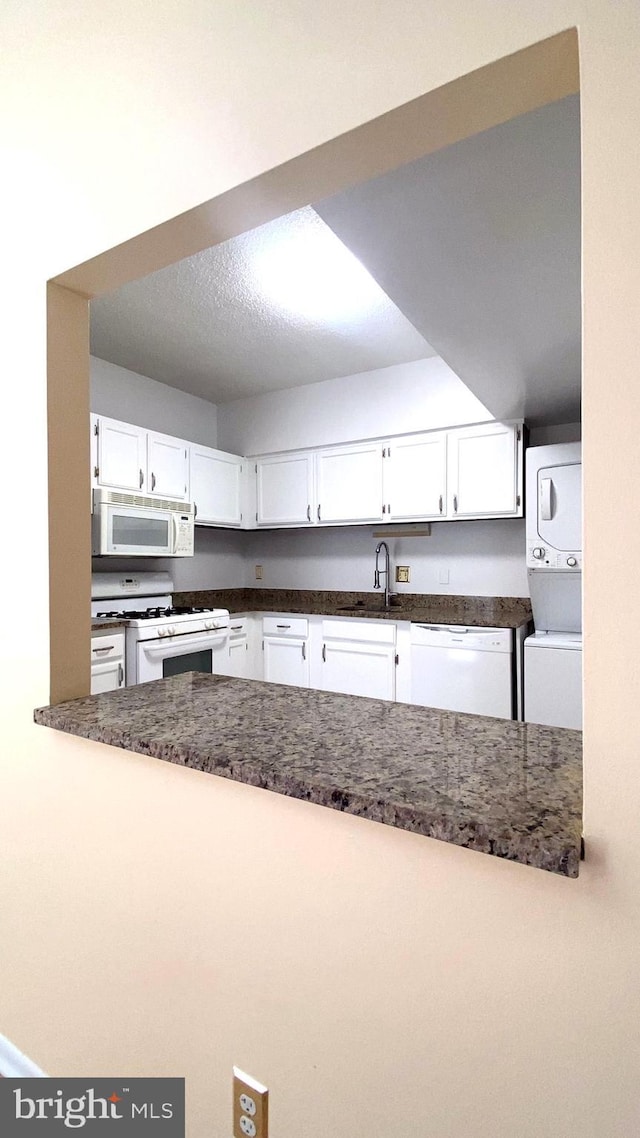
429,608
501,787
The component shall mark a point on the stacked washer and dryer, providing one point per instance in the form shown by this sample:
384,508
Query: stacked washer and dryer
553,654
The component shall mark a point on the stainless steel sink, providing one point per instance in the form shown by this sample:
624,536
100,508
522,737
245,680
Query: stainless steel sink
364,608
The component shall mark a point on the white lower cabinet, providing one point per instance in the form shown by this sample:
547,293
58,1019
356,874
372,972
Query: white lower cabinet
359,658
107,661
285,650
235,657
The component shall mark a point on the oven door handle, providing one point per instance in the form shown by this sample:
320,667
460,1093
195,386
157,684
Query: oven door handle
180,645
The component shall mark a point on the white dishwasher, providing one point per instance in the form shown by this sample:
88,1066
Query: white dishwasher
463,669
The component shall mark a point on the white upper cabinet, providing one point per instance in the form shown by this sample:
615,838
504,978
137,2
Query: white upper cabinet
121,455
459,472
484,471
349,484
415,477
285,490
216,486
168,466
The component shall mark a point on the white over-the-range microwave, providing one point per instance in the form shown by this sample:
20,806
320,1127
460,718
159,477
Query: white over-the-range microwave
130,525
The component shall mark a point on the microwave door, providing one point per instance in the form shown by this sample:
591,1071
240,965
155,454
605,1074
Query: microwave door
137,533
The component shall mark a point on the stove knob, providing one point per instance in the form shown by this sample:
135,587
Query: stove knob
538,553
572,562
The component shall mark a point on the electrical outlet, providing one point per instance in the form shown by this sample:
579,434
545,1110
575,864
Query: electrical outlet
258,572
250,1107
443,576
402,574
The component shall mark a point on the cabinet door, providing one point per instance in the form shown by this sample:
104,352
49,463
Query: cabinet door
122,455
415,477
286,661
483,471
349,483
359,669
216,486
107,676
239,658
168,466
285,490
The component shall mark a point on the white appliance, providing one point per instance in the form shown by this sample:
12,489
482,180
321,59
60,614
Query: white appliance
160,639
553,655
553,679
554,507
463,669
131,525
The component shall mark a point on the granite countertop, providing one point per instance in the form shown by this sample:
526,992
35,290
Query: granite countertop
107,622
501,787
420,608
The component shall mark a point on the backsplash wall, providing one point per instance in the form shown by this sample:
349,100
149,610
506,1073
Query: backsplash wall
219,562
485,558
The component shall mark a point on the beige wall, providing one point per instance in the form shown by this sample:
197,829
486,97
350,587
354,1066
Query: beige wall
153,920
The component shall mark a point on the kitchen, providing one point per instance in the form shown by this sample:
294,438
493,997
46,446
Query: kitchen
325,420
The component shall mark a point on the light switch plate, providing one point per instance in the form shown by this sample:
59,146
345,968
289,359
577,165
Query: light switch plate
258,572
443,576
402,574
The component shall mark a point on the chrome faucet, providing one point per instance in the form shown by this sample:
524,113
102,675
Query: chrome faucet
378,571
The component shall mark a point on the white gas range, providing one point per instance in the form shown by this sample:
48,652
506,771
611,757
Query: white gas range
160,639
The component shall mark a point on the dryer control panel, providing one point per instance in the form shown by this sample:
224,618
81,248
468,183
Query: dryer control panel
540,557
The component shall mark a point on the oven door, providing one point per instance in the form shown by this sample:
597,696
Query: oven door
171,655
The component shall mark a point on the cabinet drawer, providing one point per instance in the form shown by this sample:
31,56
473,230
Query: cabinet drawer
285,626
238,626
106,647
371,631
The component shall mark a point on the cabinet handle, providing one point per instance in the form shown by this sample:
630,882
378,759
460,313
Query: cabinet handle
99,650
455,503
304,651
236,628
318,513
141,478
324,653
195,511
384,508
388,507
153,481
120,675
308,513
283,626
440,503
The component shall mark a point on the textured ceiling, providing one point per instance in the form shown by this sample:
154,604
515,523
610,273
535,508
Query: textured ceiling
213,325
477,249
479,246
